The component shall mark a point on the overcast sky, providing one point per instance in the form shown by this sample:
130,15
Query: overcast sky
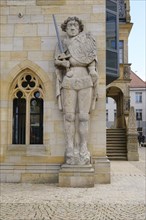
137,38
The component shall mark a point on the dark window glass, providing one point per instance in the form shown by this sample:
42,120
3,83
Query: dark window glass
111,58
36,120
28,82
19,119
112,47
111,35
111,5
138,114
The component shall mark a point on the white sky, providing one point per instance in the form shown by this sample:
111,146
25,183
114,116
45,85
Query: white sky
137,38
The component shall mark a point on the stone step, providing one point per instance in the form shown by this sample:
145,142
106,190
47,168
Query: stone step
116,144
118,130
117,150
119,143
117,157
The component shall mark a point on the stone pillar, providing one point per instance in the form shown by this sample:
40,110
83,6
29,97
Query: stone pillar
97,140
132,141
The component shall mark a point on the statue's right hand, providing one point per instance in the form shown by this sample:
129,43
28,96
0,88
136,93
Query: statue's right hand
63,56
62,63
65,63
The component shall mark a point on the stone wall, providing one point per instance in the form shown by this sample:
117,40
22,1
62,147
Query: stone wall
28,40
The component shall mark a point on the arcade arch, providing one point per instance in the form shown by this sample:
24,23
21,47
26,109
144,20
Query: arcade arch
117,95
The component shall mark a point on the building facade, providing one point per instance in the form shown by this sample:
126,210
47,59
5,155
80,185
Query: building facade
32,134
138,100
32,142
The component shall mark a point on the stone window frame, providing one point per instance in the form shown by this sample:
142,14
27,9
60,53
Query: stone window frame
28,95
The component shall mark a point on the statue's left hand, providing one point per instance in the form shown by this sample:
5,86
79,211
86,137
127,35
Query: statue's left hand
94,76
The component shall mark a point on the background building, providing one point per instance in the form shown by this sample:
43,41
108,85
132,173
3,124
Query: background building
137,100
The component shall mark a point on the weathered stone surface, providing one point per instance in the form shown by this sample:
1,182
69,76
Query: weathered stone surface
76,176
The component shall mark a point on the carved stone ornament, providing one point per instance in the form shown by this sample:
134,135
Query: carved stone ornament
122,13
127,70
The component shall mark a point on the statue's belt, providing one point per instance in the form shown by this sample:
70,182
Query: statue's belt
76,83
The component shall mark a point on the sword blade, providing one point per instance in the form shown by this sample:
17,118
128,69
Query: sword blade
57,34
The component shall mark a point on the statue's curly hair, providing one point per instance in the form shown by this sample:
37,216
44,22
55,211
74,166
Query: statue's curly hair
64,25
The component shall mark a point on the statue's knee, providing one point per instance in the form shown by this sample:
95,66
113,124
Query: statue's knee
83,117
70,117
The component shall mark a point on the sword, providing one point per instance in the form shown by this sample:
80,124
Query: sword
62,56
58,36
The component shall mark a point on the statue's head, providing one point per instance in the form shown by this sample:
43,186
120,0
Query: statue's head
73,26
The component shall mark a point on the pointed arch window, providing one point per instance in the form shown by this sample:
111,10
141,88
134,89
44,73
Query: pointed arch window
28,104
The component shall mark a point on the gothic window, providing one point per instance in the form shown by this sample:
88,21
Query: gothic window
27,95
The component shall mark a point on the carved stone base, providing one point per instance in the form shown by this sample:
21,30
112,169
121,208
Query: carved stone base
76,176
133,156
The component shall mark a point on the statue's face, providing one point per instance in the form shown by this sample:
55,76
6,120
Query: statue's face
72,28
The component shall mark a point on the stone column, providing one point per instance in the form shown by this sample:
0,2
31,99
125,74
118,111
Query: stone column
132,141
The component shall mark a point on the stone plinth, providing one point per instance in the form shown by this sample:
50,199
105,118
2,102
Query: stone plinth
76,176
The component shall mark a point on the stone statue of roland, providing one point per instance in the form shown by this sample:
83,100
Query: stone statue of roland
76,87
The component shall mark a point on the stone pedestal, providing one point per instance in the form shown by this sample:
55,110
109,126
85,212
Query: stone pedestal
76,176
102,170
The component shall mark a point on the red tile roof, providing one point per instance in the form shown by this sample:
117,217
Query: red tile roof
136,81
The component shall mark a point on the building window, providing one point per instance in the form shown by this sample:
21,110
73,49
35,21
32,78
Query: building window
121,51
138,97
19,118
112,21
27,125
115,114
139,114
106,115
36,119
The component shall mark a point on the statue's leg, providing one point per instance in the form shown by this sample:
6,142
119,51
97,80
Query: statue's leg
84,99
69,103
